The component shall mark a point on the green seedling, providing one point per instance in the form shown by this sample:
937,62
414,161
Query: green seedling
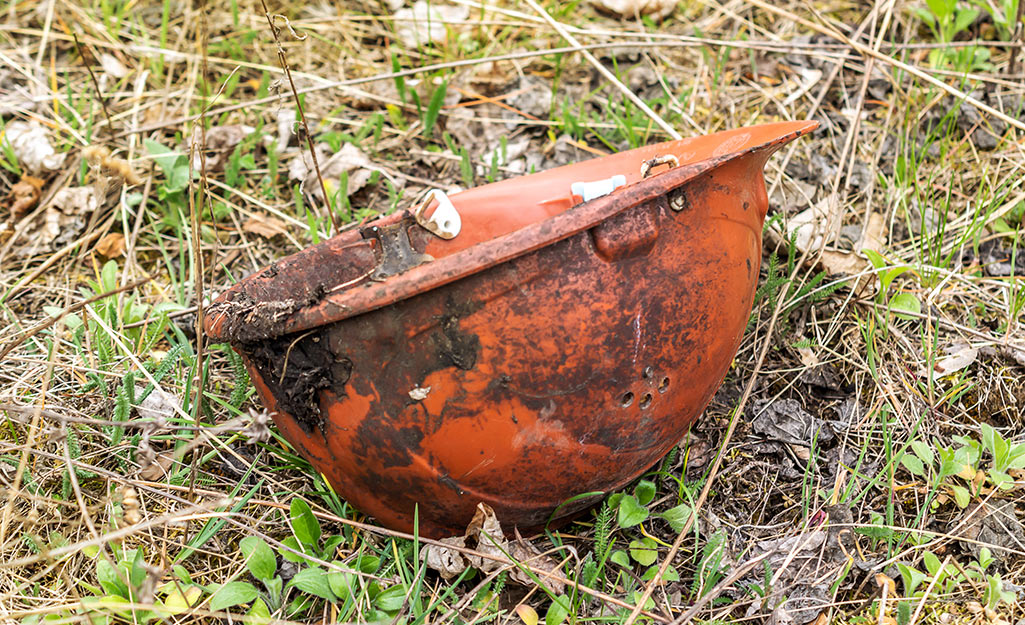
947,19
902,305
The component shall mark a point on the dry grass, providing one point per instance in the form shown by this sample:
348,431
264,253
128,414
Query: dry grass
919,159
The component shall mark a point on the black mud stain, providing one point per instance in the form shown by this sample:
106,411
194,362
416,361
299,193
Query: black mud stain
453,346
296,368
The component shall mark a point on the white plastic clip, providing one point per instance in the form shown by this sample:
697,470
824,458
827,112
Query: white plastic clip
590,190
444,221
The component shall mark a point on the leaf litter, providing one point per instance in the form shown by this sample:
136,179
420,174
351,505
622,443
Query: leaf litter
349,160
484,535
30,142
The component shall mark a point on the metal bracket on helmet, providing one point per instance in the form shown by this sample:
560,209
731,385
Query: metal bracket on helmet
652,163
444,221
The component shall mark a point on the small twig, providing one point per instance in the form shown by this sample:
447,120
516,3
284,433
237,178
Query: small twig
197,252
283,60
96,86
39,327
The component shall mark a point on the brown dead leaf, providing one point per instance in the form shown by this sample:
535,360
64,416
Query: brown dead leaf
958,357
349,160
24,195
524,552
159,467
994,525
811,229
449,562
220,142
65,217
76,200
265,226
485,536
487,531
111,246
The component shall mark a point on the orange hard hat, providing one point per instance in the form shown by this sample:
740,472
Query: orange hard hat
518,343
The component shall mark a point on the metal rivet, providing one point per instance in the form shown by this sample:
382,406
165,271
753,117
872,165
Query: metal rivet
677,200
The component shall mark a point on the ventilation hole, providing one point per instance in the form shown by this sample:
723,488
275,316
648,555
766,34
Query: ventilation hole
645,401
663,386
628,398
648,372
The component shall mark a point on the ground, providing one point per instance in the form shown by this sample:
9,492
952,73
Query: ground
862,462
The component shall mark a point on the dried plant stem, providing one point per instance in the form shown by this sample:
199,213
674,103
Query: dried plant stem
195,210
1017,39
283,60
96,86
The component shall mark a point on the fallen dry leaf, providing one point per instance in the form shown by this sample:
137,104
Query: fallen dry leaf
157,467
76,200
448,562
994,525
220,142
659,9
811,227
426,23
66,213
485,536
786,421
111,246
958,356
24,195
487,531
885,581
349,160
265,226
157,405
30,143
